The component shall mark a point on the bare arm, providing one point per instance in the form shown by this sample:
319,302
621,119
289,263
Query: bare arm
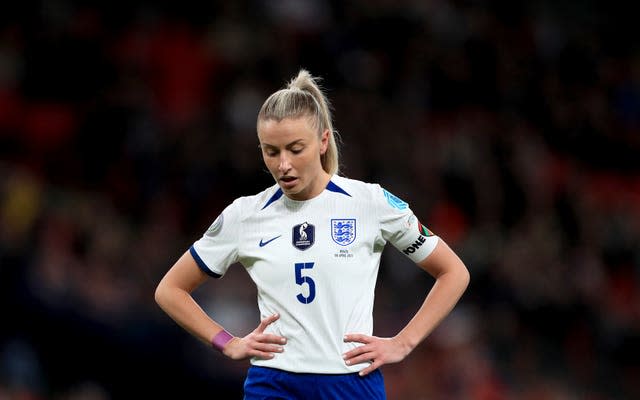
173,295
452,279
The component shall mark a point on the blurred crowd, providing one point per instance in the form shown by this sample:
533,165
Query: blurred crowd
512,129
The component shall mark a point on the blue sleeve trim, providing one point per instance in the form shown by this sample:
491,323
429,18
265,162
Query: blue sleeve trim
201,264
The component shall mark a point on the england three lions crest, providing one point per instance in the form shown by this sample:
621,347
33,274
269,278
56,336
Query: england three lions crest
343,231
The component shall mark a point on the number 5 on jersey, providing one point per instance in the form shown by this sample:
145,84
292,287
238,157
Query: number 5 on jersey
300,279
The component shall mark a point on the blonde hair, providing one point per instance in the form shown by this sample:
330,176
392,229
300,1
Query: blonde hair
303,97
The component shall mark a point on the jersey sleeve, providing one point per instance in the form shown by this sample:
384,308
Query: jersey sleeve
400,227
217,249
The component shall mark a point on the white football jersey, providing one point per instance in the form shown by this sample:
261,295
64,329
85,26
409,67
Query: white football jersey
314,262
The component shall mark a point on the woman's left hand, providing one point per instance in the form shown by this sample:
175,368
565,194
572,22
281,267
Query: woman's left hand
377,350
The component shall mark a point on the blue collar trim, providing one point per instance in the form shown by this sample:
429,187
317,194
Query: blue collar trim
273,198
332,187
335,188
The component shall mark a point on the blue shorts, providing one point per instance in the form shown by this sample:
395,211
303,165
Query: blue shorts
270,383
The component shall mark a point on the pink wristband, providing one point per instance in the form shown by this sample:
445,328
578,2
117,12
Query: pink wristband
220,339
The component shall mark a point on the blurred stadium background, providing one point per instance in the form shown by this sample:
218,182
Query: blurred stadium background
512,129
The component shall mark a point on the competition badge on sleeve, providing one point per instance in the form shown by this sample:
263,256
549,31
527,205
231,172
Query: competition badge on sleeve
395,201
303,236
343,231
215,226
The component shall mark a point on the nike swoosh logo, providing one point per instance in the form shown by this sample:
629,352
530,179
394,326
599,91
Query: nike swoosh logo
262,244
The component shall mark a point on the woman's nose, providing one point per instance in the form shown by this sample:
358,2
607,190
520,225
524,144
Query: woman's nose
284,164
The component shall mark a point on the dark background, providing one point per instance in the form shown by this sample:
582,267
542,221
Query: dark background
511,128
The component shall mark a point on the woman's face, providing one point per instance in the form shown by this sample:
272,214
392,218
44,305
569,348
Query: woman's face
291,150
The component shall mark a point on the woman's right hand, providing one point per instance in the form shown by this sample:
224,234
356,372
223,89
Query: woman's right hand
256,344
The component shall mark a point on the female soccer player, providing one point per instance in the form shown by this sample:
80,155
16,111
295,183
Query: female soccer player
312,244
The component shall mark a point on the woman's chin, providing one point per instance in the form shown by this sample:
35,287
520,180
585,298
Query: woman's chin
294,192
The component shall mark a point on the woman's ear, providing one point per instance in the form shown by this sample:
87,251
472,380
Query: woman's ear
324,142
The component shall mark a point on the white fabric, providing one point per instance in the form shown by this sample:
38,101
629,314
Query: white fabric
347,227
